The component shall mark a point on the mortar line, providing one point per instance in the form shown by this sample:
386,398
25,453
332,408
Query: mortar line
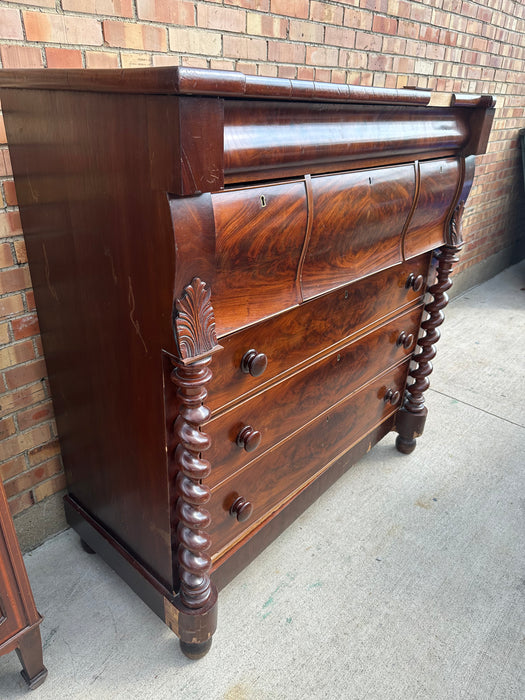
466,403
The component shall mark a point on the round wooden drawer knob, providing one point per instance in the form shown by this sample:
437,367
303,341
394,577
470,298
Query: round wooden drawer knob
254,363
241,509
392,397
406,340
415,282
249,438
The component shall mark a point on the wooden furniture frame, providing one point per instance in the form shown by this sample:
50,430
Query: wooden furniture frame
19,618
230,275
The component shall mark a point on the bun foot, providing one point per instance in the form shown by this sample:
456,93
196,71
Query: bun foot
195,651
405,445
86,547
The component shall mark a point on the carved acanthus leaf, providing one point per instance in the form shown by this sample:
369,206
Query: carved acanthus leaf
194,322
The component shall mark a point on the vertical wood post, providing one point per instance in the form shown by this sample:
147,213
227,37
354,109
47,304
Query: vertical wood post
194,327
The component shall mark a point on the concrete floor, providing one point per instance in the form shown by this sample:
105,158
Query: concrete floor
404,581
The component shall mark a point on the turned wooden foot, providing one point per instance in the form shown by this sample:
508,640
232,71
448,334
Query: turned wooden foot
195,651
29,652
86,547
405,445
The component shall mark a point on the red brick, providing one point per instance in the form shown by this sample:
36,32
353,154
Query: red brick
340,36
16,354
134,36
36,3
32,477
259,5
305,73
247,68
384,25
29,440
101,59
135,60
30,300
10,24
6,257
283,52
223,18
377,5
63,58
118,8
167,12
264,25
427,33
289,72
3,135
358,19
435,52
4,333
395,45
7,427
321,56
399,8
25,326
379,62
290,8
244,47
5,164
22,398
48,488
323,75
326,14
14,280
10,193
43,452
12,467
309,32
11,305
16,56
408,29
10,224
188,40
19,503
368,42
62,29
25,374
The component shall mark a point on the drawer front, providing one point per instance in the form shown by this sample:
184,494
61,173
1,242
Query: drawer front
271,480
259,240
438,186
357,225
288,405
303,332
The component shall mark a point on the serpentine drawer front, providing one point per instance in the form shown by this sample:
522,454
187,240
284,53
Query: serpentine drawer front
239,282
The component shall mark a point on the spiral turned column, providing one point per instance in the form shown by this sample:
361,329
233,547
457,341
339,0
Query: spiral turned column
194,327
410,420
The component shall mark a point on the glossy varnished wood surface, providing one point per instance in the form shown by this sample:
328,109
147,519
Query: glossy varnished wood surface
260,233
437,185
289,404
83,187
278,473
293,203
307,330
349,238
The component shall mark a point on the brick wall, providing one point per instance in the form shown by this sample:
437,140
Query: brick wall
449,45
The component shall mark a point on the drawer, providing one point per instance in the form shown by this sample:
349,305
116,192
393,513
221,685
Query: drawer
259,240
290,404
305,331
276,476
438,186
357,225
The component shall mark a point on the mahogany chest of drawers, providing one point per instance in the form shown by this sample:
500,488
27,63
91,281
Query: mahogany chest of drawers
230,274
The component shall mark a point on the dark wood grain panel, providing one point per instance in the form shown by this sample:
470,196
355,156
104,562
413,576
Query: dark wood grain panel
358,220
259,239
438,183
286,406
305,331
261,138
266,482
